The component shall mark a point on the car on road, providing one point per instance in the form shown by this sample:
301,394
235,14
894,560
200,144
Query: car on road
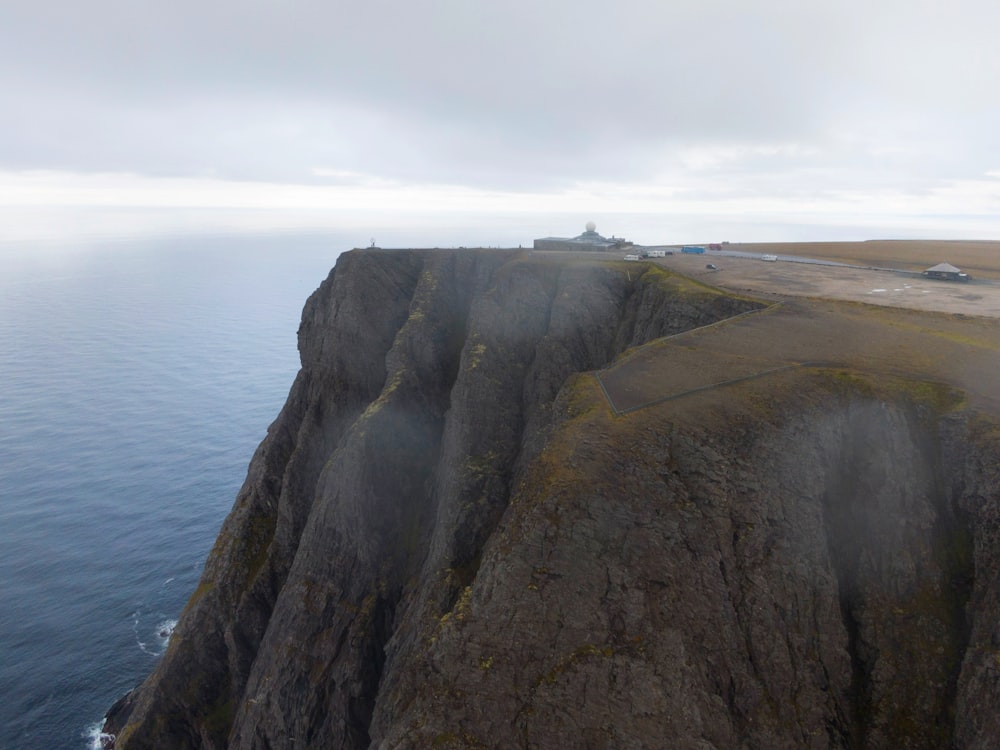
712,267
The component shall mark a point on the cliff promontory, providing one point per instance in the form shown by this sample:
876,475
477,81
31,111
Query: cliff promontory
456,535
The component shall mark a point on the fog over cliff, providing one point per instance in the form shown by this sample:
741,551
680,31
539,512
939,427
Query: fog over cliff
449,539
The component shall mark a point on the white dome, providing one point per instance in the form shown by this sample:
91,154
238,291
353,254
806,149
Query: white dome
591,226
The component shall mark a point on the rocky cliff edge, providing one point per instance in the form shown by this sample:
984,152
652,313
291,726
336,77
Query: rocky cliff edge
449,539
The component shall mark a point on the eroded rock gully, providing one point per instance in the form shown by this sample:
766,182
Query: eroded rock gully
443,542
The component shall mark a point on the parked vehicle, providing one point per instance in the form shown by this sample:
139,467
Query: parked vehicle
693,249
632,257
712,267
771,258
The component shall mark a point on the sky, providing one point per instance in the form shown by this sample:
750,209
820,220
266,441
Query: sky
849,119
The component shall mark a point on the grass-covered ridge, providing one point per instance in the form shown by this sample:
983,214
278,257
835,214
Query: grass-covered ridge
958,351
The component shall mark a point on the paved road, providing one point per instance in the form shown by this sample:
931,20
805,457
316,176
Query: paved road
758,256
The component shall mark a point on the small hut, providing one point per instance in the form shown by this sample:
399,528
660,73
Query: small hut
945,272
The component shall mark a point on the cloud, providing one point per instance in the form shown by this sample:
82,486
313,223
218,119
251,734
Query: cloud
788,100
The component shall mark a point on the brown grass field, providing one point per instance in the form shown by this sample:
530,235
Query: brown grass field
978,258
957,350
897,327
904,289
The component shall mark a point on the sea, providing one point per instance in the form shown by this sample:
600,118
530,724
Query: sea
137,375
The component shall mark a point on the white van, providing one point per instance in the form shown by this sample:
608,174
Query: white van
632,257
771,258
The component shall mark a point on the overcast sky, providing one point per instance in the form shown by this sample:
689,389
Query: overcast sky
860,113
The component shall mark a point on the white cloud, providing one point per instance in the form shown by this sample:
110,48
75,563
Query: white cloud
520,102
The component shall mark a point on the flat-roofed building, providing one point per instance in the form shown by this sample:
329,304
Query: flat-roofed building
588,240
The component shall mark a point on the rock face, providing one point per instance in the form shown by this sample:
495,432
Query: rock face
446,540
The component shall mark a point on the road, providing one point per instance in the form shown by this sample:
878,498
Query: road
727,253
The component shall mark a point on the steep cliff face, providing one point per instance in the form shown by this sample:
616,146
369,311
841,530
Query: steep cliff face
811,576
447,540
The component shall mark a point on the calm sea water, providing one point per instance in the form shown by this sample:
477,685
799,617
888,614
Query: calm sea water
136,379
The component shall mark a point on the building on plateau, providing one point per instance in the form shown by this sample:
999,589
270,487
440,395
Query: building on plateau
589,240
945,272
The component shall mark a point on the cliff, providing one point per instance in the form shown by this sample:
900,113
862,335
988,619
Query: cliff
450,539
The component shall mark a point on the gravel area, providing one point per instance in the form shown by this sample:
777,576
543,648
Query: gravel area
892,289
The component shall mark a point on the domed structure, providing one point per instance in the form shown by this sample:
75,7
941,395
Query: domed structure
588,240
590,234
